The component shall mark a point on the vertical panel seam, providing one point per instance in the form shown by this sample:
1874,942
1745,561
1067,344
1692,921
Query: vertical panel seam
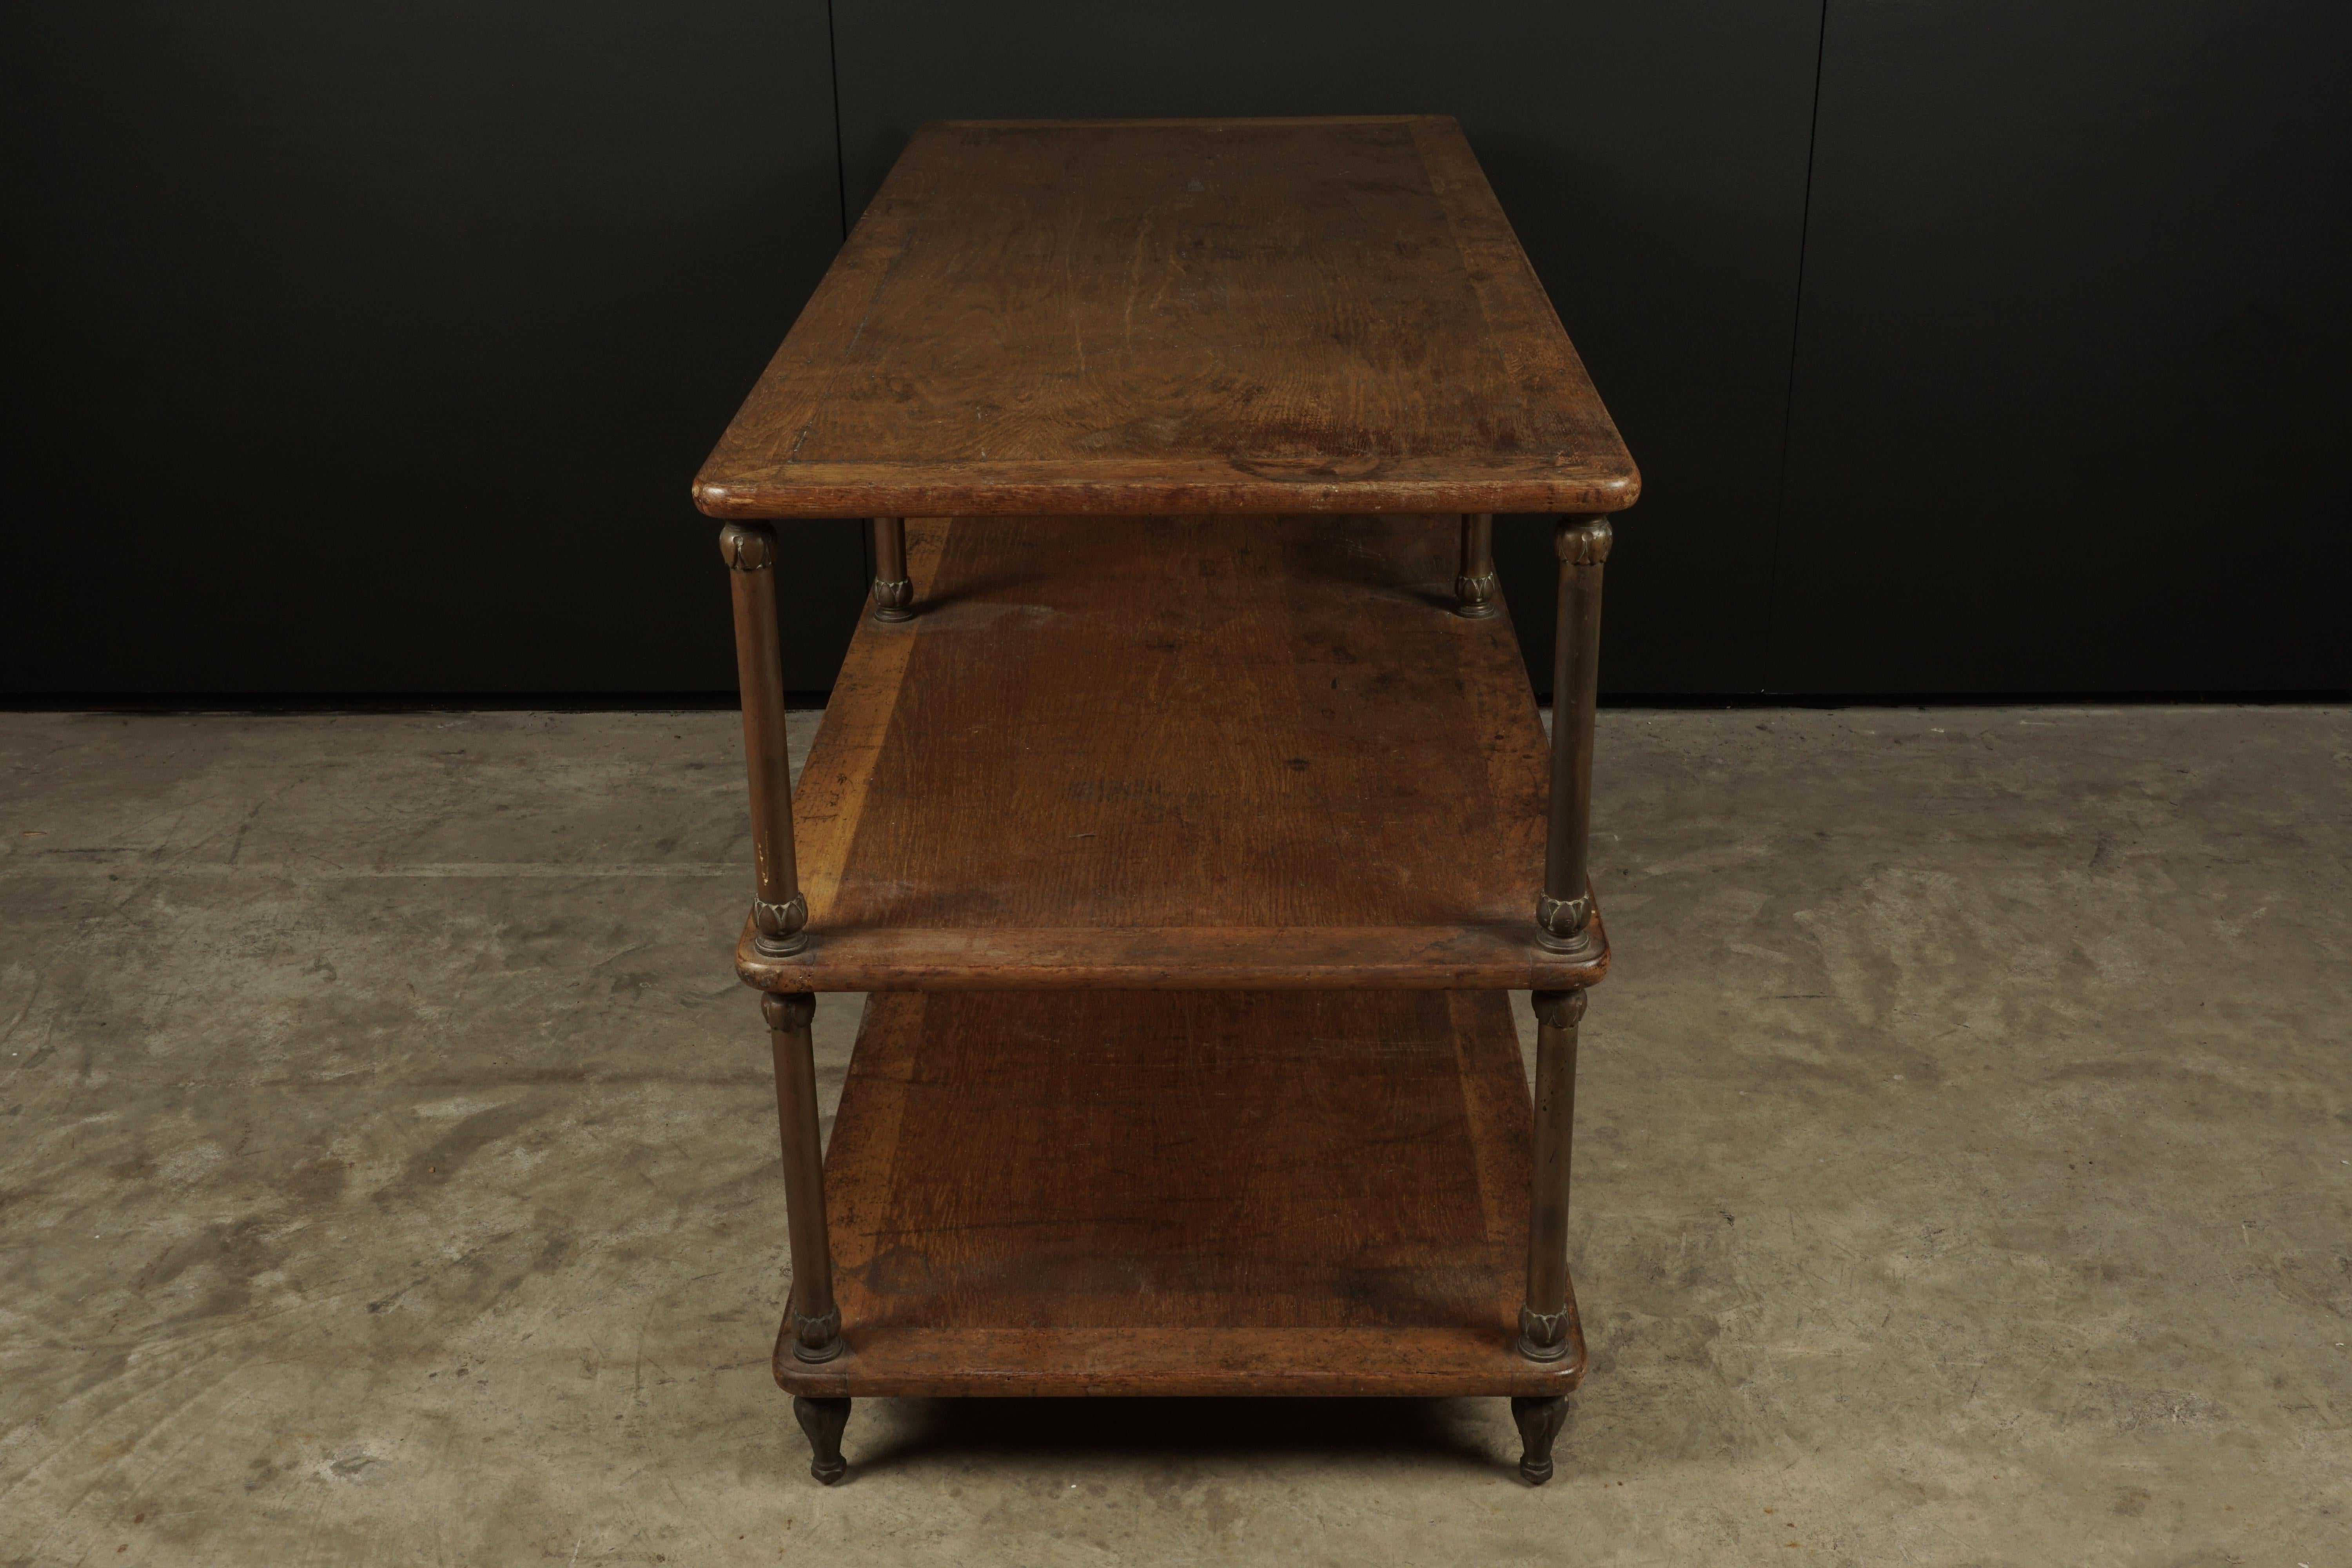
841,201
840,156
1772,662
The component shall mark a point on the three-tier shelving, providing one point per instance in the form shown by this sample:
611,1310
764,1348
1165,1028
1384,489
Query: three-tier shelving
1183,804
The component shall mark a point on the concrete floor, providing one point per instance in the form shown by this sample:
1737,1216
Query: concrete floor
388,1170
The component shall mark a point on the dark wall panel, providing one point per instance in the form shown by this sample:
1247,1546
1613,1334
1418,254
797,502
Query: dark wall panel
2072,410
1652,158
368,347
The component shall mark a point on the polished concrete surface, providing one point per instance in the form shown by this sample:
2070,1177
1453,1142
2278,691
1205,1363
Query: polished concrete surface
1964,1174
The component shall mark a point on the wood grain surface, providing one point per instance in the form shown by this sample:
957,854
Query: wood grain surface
1192,752
1150,317
1182,1193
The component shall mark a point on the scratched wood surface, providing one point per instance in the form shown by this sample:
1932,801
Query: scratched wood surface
1193,752
1176,316
1182,1193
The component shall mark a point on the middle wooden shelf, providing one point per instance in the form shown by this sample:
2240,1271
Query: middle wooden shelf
1176,753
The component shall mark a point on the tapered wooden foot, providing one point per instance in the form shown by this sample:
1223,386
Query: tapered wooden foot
1539,1422
825,1420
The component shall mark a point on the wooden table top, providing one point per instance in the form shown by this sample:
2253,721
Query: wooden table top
1190,752
1090,316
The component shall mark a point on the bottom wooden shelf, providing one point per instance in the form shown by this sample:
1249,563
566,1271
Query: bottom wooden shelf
1182,1193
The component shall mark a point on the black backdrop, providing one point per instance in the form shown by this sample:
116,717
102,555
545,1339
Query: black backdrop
1973,348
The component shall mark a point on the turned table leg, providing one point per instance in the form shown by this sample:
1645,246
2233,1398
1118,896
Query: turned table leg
1544,1317
1564,907
1539,1420
894,596
779,913
1475,589
825,1420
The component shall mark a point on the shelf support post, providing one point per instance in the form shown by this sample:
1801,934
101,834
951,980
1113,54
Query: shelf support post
894,596
814,1318
1564,907
779,913
1476,590
1544,1318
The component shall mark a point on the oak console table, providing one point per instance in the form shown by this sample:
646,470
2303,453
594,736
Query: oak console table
1182,803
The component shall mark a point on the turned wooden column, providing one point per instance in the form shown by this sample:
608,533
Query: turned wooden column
894,596
812,1316
779,913
1475,587
1564,907
1544,1316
